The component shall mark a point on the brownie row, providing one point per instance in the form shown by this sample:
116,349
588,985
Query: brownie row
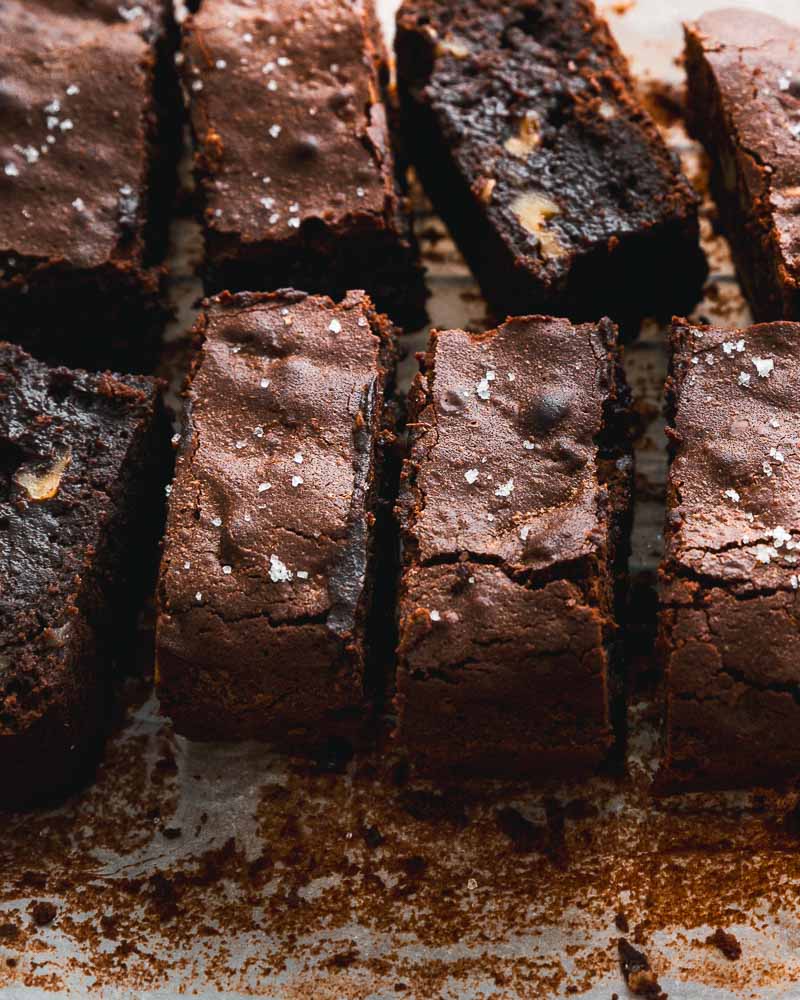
521,120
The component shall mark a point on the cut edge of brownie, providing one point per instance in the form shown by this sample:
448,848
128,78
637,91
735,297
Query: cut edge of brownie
355,725
615,464
772,291
617,278
52,742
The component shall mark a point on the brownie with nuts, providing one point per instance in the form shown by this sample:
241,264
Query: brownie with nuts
293,157
88,143
522,120
269,560
744,105
514,511
730,615
83,463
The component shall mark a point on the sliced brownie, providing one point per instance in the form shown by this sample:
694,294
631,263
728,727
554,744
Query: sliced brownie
523,123
744,104
293,159
730,615
514,514
269,564
88,143
83,462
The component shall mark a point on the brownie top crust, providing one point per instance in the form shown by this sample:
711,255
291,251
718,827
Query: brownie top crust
76,86
276,470
507,440
735,474
536,102
287,116
755,59
64,439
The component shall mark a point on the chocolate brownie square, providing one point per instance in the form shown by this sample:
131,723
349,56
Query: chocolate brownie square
744,105
88,143
524,126
514,510
269,560
83,463
730,615
294,161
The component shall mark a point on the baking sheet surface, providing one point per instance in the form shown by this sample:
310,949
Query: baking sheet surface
229,871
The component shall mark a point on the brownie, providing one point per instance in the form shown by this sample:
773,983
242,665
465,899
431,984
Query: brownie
269,559
514,510
83,462
88,144
293,158
730,617
744,105
523,124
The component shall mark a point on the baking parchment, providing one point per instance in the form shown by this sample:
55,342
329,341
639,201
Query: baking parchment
230,871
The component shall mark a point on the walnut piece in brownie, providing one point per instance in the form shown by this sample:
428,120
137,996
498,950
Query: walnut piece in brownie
744,105
514,511
293,159
88,144
523,123
268,564
83,462
730,615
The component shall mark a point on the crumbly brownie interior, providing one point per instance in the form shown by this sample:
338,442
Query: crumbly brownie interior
82,465
524,125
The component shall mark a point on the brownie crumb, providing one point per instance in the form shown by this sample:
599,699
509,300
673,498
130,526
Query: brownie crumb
727,944
621,922
639,977
43,912
525,836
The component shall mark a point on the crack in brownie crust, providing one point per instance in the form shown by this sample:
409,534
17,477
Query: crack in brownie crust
514,507
268,566
298,180
523,123
744,105
730,617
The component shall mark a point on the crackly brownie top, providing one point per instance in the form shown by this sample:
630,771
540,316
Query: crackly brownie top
536,103
735,476
287,115
756,62
74,93
267,515
506,428
64,438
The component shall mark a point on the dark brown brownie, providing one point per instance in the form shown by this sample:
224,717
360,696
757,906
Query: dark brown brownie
514,513
268,566
83,462
729,609
294,161
524,126
744,104
88,143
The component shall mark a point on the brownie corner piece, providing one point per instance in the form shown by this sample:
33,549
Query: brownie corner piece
524,125
514,512
299,186
83,463
743,70
87,177
729,617
269,561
